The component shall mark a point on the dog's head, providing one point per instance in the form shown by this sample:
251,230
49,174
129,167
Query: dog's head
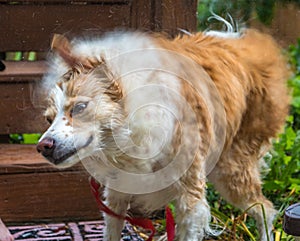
81,108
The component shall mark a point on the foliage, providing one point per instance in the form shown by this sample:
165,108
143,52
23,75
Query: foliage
24,138
285,156
282,184
240,10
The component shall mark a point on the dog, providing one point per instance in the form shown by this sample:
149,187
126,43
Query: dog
153,118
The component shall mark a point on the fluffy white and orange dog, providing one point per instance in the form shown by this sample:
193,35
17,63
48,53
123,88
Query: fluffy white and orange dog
153,118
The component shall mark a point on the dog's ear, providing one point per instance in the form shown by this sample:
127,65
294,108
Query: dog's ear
112,86
114,90
61,45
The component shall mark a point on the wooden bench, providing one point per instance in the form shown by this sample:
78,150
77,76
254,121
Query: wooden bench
30,189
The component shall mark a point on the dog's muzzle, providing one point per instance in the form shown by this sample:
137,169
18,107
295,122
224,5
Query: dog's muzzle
54,152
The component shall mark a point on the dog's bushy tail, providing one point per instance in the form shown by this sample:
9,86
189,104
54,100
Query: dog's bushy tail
268,100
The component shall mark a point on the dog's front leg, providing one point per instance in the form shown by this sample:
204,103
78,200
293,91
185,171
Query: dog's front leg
192,215
118,203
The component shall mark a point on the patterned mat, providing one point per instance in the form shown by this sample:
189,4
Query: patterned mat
82,231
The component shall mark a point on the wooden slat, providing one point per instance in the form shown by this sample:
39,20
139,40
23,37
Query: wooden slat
21,117
22,71
17,154
46,196
19,158
21,103
177,14
143,15
30,27
35,24
21,110
31,189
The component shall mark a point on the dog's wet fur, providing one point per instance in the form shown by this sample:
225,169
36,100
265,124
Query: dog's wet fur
94,91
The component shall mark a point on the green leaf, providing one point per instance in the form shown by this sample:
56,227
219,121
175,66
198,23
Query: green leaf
295,187
265,10
271,185
287,159
31,138
290,137
296,102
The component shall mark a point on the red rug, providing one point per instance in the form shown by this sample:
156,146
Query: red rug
81,231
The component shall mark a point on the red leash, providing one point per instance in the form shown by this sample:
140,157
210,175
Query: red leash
170,224
141,222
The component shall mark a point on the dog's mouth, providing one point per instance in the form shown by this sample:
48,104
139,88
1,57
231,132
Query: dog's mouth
60,158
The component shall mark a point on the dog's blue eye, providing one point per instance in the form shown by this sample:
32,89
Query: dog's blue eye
78,108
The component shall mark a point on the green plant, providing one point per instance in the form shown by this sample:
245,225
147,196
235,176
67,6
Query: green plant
238,10
24,138
282,183
285,176
241,11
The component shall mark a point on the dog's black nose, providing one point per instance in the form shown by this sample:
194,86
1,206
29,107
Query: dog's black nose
46,146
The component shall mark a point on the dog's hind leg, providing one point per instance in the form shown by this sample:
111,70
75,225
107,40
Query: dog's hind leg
237,178
118,203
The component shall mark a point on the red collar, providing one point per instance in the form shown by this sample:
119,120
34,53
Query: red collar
143,223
